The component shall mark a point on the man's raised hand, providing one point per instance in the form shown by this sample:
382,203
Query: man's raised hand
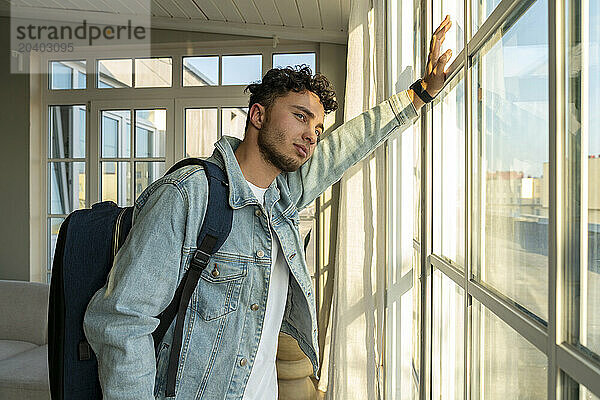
435,74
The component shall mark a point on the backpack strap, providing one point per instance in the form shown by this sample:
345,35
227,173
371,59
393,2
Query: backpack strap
213,233
168,314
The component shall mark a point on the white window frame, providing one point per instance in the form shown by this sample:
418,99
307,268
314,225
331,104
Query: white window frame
174,99
550,339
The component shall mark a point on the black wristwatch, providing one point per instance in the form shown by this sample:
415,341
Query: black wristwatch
422,93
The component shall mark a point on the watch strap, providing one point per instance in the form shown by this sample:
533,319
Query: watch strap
419,91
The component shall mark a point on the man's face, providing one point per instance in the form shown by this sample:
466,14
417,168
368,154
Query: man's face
288,136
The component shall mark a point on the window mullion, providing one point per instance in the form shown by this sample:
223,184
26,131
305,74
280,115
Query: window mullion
467,320
93,127
556,132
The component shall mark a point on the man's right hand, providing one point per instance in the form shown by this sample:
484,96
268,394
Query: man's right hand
435,75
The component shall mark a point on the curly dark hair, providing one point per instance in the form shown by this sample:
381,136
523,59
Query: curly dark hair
278,82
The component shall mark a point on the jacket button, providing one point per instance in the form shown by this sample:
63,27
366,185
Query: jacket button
215,272
243,362
254,307
257,213
260,253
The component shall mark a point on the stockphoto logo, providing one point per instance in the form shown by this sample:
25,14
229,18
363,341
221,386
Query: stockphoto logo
90,33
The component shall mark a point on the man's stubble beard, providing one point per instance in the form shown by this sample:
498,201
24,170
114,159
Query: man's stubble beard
270,143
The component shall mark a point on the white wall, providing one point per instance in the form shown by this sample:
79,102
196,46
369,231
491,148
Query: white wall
14,165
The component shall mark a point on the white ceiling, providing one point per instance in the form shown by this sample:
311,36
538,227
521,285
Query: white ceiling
313,20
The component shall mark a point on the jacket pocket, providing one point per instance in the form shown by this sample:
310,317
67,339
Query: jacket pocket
219,288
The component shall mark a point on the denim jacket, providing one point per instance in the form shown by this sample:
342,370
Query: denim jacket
221,331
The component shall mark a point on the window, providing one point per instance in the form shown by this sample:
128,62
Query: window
448,333
455,37
205,126
241,70
110,141
481,10
404,296
201,131
511,128
65,169
233,121
504,364
150,127
582,152
504,201
449,173
200,71
67,75
115,180
285,60
114,73
153,72
116,137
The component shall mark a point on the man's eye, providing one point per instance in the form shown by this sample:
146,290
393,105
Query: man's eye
300,116
318,132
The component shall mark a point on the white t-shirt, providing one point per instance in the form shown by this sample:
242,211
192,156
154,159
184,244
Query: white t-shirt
262,383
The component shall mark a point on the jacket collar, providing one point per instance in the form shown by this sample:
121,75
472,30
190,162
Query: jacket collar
240,194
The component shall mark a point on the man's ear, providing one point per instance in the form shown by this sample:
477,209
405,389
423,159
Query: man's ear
257,115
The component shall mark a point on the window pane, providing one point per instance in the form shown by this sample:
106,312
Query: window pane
67,187
401,343
66,131
116,133
233,121
449,172
583,166
67,74
481,10
200,131
285,60
241,70
399,333
116,183
511,131
150,128
200,71
455,38
53,228
448,350
81,79
146,173
400,151
504,364
114,73
153,72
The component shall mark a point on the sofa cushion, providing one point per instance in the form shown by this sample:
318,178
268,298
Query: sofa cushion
24,311
9,348
25,375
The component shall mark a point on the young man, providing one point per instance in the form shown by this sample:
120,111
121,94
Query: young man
257,283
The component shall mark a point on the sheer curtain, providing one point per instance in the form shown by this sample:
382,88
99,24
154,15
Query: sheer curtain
352,364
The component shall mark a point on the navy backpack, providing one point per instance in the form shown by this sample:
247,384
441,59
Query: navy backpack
87,243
